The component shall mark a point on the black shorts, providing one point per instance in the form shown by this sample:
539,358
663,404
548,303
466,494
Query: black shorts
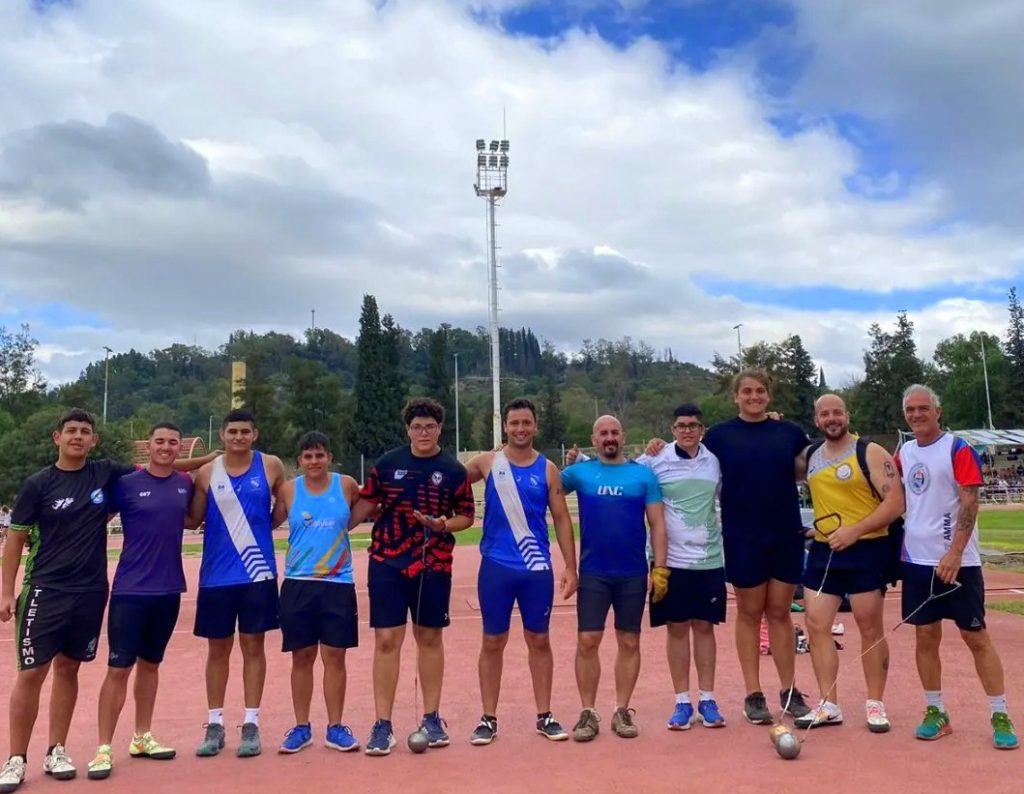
56,621
844,581
692,595
253,607
966,606
751,563
393,597
315,612
626,595
140,626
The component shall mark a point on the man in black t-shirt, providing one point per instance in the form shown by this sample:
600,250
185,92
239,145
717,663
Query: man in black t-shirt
423,496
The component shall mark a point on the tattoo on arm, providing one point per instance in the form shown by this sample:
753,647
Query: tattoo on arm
886,488
890,470
968,510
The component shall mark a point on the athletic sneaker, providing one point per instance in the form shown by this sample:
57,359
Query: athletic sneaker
623,725
755,709
382,738
434,727
797,705
58,764
102,765
250,744
710,716
213,741
587,726
1003,735
824,714
878,722
12,775
681,717
485,731
550,728
146,746
340,737
298,738
838,629
934,726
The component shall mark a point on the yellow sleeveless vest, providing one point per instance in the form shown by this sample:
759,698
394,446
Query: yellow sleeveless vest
841,487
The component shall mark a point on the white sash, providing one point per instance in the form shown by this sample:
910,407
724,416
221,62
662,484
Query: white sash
508,495
237,523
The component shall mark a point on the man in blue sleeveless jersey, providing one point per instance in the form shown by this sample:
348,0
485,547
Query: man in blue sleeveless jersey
318,595
615,495
238,574
516,567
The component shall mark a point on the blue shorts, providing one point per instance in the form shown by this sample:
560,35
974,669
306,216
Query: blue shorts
751,562
140,626
252,606
499,587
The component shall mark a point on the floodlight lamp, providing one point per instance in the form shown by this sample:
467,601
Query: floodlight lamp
494,146
481,160
503,146
492,161
480,144
503,160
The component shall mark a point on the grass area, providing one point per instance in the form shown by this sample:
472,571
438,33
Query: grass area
1013,607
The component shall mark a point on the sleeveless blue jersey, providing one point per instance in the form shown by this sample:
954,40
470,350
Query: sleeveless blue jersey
238,546
318,543
498,543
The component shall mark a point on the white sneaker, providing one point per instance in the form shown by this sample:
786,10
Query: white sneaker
58,764
824,714
12,775
878,722
838,629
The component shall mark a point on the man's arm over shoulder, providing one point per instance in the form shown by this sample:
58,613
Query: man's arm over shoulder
283,503
197,509
479,466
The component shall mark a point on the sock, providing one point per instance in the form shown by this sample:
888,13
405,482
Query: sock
252,715
997,704
216,717
543,716
706,694
682,697
934,698
22,756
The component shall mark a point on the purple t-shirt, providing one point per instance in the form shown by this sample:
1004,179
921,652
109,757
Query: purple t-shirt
153,511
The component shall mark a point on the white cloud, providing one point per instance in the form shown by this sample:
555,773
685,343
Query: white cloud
336,141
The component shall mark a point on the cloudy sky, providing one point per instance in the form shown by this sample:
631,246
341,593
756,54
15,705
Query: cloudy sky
175,169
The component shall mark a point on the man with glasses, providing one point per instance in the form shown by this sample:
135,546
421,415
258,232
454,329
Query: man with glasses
421,496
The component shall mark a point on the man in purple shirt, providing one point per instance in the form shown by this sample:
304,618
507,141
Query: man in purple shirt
146,595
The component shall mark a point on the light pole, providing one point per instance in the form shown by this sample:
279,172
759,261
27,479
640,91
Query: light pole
457,447
492,186
106,379
988,396
739,344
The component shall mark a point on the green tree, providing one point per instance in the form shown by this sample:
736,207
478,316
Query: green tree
373,424
959,377
21,385
890,365
1015,358
439,383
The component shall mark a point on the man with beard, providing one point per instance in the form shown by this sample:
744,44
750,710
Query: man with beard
615,495
852,513
522,485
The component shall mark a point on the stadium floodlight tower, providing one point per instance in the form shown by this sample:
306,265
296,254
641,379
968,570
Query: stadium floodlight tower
492,186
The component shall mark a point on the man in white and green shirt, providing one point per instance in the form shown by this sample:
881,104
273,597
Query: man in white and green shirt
689,476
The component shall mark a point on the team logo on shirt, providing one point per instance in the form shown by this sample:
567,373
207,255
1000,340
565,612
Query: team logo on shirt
400,473
254,482
844,472
183,490
60,504
307,518
143,494
918,479
609,490
436,478
97,497
534,481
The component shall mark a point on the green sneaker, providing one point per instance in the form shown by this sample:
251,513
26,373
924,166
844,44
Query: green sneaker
146,746
934,726
250,744
1003,736
102,765
213,741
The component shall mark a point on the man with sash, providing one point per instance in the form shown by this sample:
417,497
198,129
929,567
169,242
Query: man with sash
521,486
238,574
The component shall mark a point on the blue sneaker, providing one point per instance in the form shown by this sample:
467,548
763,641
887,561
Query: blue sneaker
710,716
681,717
434,727
339,737
382,738
298,738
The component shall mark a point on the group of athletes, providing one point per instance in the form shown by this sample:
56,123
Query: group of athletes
649,534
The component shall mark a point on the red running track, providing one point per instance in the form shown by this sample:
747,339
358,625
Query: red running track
738,758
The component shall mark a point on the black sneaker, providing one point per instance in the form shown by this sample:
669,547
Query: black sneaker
485,731
550,728
797,705
755,709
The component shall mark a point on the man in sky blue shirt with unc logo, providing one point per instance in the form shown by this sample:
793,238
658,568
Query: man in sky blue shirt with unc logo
615,495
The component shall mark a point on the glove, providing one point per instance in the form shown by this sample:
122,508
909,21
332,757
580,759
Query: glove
659,583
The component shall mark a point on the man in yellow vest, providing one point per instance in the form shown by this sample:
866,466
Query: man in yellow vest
856,492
